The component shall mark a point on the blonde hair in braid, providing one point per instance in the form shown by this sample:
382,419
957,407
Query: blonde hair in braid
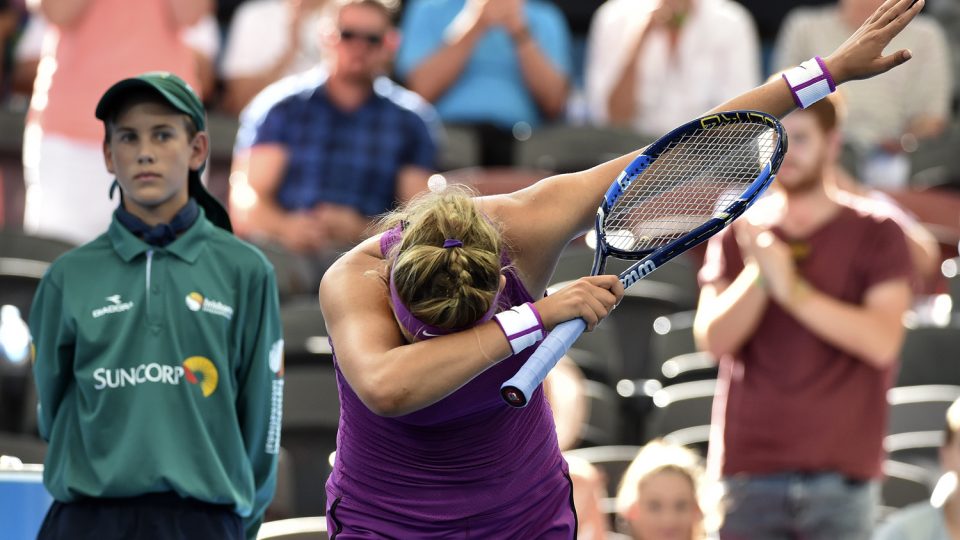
445,287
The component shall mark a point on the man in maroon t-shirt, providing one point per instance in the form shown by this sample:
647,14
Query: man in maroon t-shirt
802,303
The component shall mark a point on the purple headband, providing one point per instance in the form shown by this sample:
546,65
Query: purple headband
421,330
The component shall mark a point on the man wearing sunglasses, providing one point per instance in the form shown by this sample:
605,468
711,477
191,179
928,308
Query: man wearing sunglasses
320,153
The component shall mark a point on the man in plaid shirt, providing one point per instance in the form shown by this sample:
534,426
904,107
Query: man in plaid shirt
319,153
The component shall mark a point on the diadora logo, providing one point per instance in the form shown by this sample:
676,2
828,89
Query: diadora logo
116,305
196,370
196,302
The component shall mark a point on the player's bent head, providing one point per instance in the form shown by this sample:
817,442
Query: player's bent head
453,286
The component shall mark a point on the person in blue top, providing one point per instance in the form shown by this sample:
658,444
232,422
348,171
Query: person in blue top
492,64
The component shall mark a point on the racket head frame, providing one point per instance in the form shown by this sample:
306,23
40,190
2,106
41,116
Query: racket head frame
651,259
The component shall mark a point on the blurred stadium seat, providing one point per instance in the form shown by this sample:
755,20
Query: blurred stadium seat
924,359
311,411
564,148
903,484
304,528
920,448
681,406
920,408
602,426
459,148
688,367
23,261
672,336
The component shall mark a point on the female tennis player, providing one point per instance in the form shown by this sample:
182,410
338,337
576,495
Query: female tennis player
428,318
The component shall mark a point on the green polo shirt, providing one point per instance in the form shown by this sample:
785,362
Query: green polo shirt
161,369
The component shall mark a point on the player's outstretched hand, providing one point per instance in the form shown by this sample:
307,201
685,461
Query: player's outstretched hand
861,55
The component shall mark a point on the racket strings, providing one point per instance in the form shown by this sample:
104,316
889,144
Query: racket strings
693,179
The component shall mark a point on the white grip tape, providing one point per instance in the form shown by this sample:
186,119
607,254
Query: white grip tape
522,326
809,82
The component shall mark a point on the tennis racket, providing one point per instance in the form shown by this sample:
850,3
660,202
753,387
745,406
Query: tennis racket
683,189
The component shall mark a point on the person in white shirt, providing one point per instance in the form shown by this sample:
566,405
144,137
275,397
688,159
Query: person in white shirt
939,518
654,64
888,116
269,40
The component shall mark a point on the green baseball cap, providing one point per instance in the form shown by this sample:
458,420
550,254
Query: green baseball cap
181,97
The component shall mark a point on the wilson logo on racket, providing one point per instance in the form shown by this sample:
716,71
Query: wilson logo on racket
639,273
200,370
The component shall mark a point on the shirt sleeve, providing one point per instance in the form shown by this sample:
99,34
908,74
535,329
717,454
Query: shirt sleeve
722,260
423,33
253,45
550,30
54,339
421,140
601,58
741,57
260,393
885,255
607,57
262,126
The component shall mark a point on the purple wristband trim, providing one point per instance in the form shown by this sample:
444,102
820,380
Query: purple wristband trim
796,98
826,73
530,330
537,313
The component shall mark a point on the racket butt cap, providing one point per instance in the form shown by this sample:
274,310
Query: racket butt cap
513,396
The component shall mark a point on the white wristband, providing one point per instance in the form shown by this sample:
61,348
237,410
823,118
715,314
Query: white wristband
522,326
809,82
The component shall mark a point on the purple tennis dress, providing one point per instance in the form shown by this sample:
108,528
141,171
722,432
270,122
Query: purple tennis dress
468,466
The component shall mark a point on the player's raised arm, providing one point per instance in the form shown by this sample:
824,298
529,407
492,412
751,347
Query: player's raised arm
861,56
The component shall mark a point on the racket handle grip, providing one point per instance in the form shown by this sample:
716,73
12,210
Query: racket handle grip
518,390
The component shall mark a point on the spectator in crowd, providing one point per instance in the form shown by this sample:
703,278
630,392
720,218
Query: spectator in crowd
801,302
769,15
654,64
319,154
203,38
938,518
886,116
63,142
491,64
924,247
268,40
589,489
660,495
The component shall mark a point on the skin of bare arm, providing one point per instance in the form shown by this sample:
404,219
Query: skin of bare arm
395,377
